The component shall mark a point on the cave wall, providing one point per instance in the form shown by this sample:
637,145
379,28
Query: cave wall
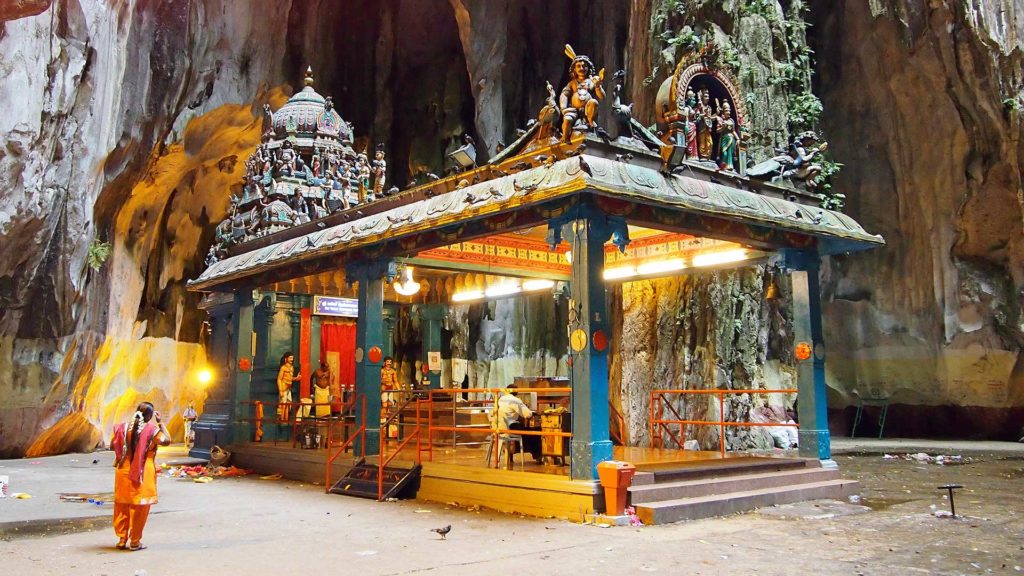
129,123
700,331
922,103
126,123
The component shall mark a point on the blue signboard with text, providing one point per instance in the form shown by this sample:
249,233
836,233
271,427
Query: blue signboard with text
332,306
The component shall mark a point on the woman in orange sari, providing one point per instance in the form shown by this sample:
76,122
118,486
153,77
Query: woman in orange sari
134,446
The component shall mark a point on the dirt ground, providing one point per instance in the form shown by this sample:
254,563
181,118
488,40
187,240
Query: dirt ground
252,526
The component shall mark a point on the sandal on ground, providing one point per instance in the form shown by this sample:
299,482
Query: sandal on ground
137,546
121,544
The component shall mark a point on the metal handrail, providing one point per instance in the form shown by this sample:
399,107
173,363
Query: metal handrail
617,416
658,425
359,432
492,430
382,462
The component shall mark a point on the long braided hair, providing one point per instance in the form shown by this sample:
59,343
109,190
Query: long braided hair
143,414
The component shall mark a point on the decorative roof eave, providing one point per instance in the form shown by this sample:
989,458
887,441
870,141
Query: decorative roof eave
536,185
698,196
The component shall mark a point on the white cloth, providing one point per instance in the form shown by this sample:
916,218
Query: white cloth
511,409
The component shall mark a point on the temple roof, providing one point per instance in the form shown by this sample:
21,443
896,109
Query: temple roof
665,197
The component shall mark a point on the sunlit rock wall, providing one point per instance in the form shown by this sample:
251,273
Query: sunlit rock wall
922,106
123,124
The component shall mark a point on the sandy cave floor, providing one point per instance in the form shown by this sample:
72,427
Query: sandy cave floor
254,526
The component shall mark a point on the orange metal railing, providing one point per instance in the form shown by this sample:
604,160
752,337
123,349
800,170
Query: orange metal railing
294,411
408,397
359,432
617,433
661,402
492,430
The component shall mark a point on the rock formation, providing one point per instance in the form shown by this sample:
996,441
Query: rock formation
926,118
125,127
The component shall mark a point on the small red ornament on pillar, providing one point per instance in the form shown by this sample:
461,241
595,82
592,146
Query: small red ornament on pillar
375,354
803,351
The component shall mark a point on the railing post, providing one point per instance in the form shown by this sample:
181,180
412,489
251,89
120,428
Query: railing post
721,419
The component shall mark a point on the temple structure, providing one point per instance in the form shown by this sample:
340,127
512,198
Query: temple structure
575,204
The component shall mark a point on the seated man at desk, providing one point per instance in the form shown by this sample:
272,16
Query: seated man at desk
512,415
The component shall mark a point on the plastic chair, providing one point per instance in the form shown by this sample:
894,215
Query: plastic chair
504,440
883,403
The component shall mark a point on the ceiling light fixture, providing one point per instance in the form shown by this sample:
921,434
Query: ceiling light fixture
503,289
409,286
719,257
621,272
531,285
660,266
467,296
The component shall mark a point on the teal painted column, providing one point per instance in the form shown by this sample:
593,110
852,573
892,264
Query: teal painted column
314,343
815,440
370,338
431,316
589,343
242,330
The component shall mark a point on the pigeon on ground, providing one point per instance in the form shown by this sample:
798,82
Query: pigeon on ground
442,531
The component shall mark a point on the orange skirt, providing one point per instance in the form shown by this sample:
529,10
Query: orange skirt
128,492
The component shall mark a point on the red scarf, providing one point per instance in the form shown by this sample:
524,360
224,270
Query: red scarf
120,444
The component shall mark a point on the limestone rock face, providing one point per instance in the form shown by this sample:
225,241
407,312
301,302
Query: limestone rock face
128,126
925,118
124,127
698,332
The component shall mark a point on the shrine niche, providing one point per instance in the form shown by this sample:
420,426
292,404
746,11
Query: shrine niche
699,110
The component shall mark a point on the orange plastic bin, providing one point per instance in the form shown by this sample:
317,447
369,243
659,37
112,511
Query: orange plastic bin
615,477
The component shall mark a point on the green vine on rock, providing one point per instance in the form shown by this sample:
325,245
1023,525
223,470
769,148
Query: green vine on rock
830,199
98,254
804,111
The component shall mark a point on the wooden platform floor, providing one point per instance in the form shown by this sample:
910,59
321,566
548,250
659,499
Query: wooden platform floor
645,459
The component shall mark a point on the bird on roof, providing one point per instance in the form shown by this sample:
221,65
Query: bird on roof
442,531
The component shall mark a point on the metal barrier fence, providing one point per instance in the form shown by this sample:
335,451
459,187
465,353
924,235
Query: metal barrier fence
490,407
661,426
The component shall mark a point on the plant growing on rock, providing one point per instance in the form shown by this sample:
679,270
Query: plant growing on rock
98,254
830,200
804,111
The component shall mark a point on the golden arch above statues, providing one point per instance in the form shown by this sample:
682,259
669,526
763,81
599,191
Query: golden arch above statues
699,109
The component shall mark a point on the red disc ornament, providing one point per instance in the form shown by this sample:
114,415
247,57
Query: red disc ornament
600,340
375,354
244,364
803,351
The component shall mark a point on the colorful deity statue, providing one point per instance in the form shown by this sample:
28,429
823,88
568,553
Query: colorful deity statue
581,95
727,137
705,119
287,159
379,168
687,137
363,178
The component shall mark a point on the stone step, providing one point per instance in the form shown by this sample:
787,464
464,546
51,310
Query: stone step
729,467
723,504
737,483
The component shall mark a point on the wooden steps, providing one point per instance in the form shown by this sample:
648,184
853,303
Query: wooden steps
703,491
361,481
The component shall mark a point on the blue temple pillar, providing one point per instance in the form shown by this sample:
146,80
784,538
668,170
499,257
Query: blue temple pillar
214,426
815,441
589,341
370,345
242,326
431,316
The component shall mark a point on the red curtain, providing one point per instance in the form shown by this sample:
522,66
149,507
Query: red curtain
338,344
